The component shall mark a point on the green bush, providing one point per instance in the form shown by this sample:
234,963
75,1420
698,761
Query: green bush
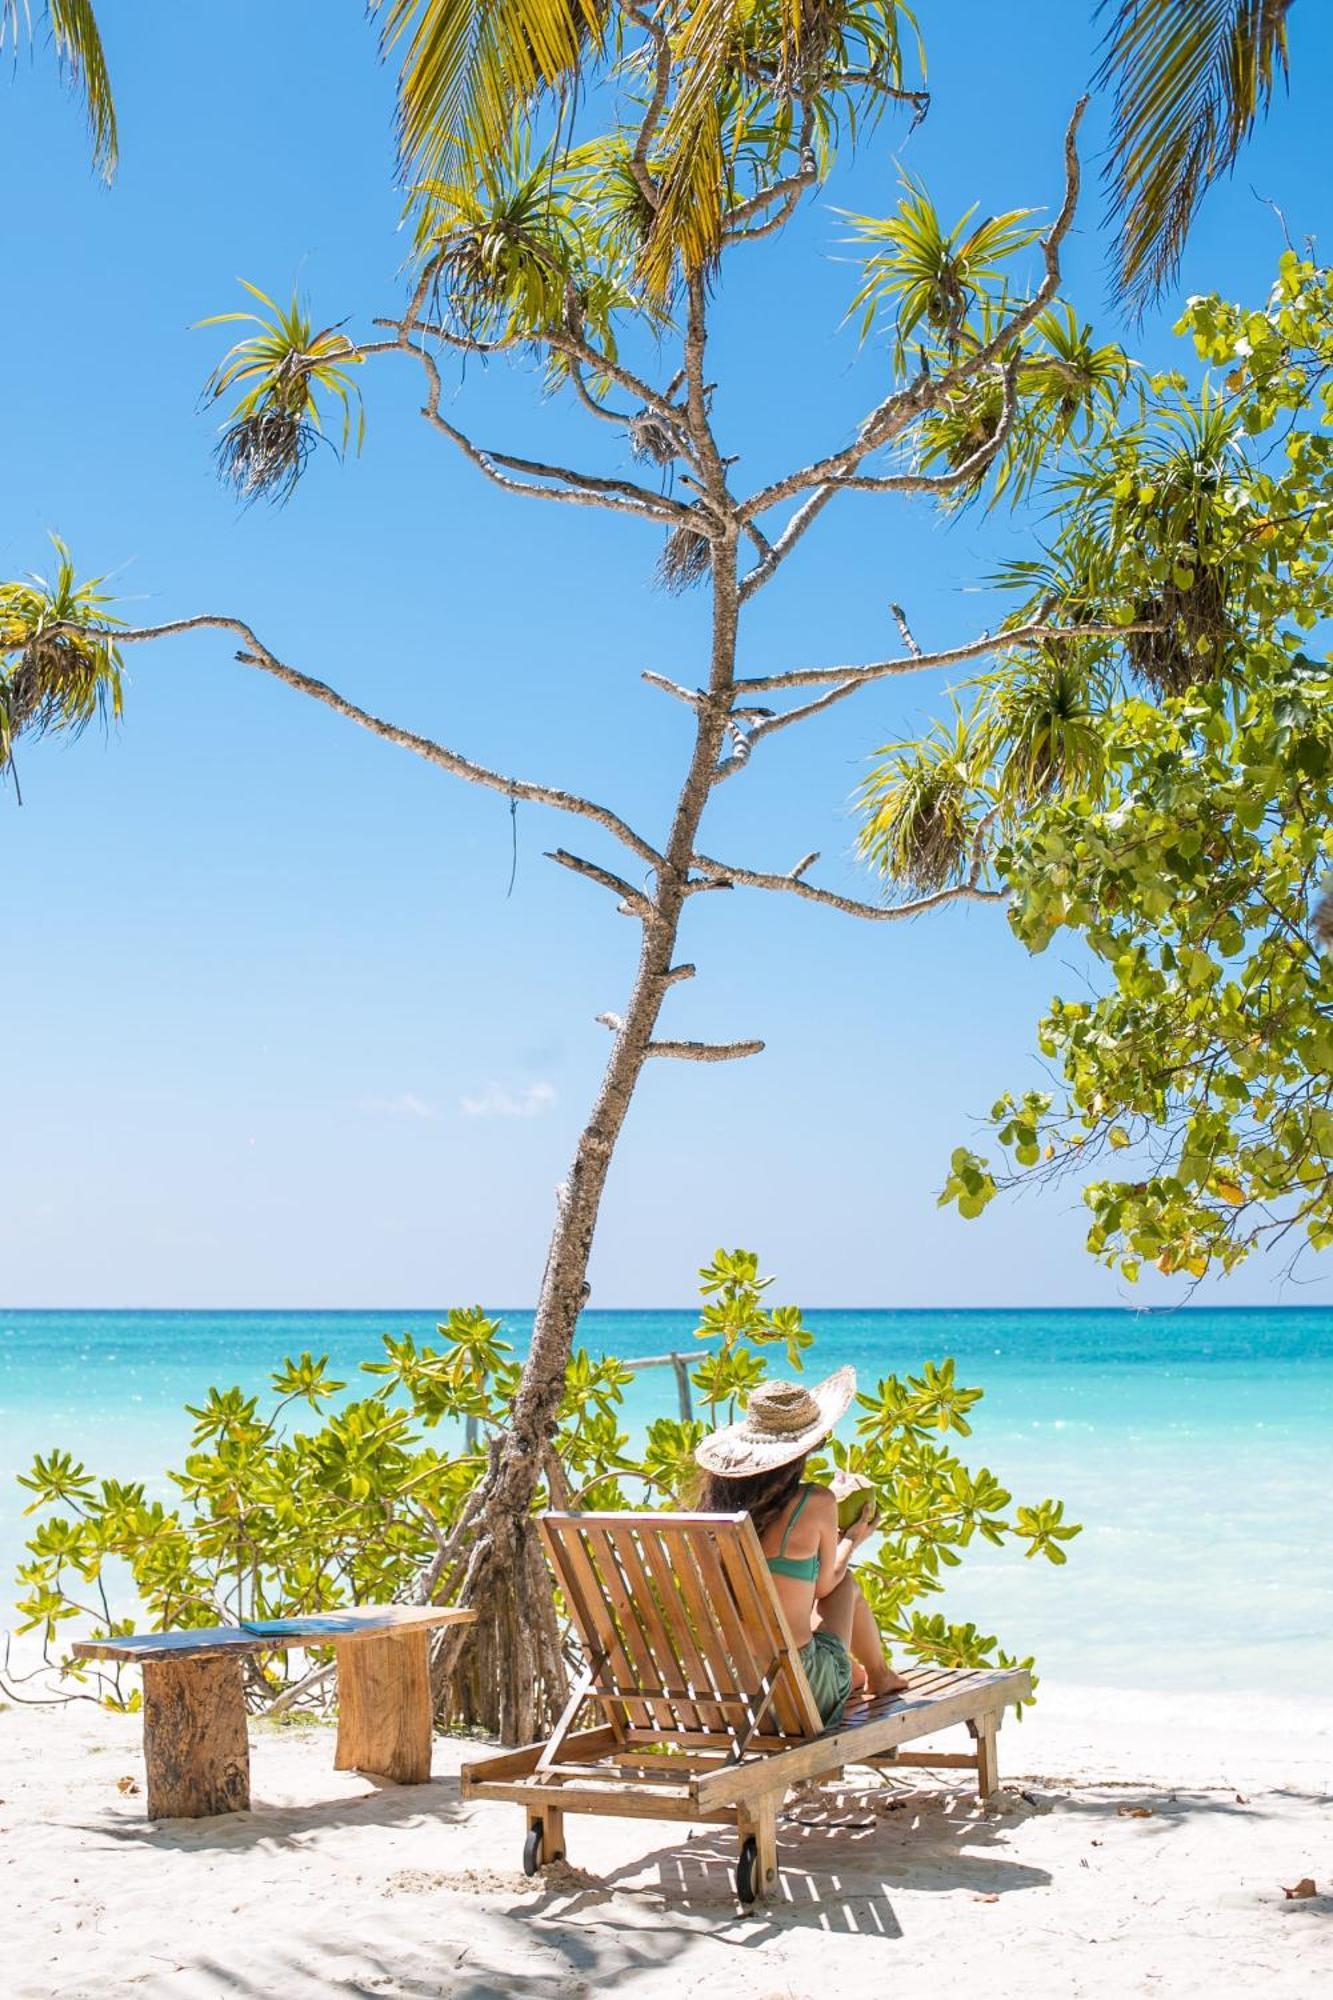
273,1520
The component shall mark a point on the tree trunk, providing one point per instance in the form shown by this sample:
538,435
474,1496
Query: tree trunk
506,1674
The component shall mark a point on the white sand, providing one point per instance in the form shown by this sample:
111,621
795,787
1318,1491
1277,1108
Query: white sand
1140,1848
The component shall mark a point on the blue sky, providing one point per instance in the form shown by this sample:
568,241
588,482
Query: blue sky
276,1034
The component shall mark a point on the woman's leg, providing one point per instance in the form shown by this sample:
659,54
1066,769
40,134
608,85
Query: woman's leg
846,1612
836,1612
867,1648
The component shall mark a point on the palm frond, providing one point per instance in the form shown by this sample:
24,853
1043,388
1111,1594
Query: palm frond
1189,79
78,45
59,669
467,66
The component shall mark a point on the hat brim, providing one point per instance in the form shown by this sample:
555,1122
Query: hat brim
736,1452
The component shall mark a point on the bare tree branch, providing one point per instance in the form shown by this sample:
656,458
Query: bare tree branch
918,662
691,697
792,884
705,1051
582,489
661,42
905,406
257,654
974,465
778,551
788,191
633,898
900,619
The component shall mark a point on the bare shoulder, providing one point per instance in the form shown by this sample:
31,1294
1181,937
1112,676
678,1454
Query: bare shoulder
821,1506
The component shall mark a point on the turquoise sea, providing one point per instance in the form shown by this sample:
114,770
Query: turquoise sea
1194,1446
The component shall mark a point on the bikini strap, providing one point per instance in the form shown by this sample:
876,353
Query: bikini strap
806,1491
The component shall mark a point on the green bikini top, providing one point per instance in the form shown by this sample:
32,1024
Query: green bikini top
801,1569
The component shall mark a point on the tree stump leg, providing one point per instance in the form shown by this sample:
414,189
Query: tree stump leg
194,1738
384,1707
988,1759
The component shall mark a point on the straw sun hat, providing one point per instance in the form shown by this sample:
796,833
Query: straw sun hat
782,1420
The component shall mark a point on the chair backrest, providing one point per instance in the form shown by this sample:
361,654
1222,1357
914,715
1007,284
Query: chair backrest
685,1637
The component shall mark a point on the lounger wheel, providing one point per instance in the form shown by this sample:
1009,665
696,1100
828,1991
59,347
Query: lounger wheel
532,1850
747,1872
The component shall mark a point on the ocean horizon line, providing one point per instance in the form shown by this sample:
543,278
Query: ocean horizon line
620,1312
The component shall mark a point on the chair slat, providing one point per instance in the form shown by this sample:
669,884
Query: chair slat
677,1586
729,1667
591,1613
664,1611
662,1710
745,1650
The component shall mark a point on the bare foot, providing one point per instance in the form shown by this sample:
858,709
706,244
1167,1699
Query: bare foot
888,1682
860,1678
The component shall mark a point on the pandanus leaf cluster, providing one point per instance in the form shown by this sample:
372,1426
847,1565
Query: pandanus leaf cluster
316,1496
283,372
60,667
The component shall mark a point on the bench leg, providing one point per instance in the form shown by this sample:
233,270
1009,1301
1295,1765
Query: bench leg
384,1707
988,1762
194,1738
759,1822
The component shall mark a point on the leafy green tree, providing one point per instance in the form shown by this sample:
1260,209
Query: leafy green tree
273,1520
1166,797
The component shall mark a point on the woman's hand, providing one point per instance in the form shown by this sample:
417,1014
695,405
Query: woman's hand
863,1527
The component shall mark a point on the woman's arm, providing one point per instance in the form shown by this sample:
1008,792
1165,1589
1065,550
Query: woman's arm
836,1549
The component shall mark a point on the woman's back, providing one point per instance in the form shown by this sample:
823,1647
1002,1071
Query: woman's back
791,1543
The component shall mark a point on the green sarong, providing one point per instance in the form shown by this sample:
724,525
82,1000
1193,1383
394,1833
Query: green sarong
828,1668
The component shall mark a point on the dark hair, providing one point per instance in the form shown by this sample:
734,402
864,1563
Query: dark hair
761,1495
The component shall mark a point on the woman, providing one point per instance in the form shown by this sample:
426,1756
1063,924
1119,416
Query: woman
755,1467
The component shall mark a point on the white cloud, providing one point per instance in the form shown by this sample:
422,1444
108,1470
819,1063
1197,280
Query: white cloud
405,1105
496,1102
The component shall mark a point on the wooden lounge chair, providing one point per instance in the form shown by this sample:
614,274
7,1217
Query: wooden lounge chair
195,1742
705,1713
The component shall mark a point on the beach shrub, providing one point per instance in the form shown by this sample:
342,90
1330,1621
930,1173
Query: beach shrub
365,1504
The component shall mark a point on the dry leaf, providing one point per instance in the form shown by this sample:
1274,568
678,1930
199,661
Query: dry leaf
127,1786
1135,1812
1305,1887
1241,1799
986,1899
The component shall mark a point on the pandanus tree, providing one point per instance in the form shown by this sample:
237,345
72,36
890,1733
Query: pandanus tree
585,258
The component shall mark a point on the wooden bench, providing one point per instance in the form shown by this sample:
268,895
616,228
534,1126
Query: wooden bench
704,1710
195,1741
